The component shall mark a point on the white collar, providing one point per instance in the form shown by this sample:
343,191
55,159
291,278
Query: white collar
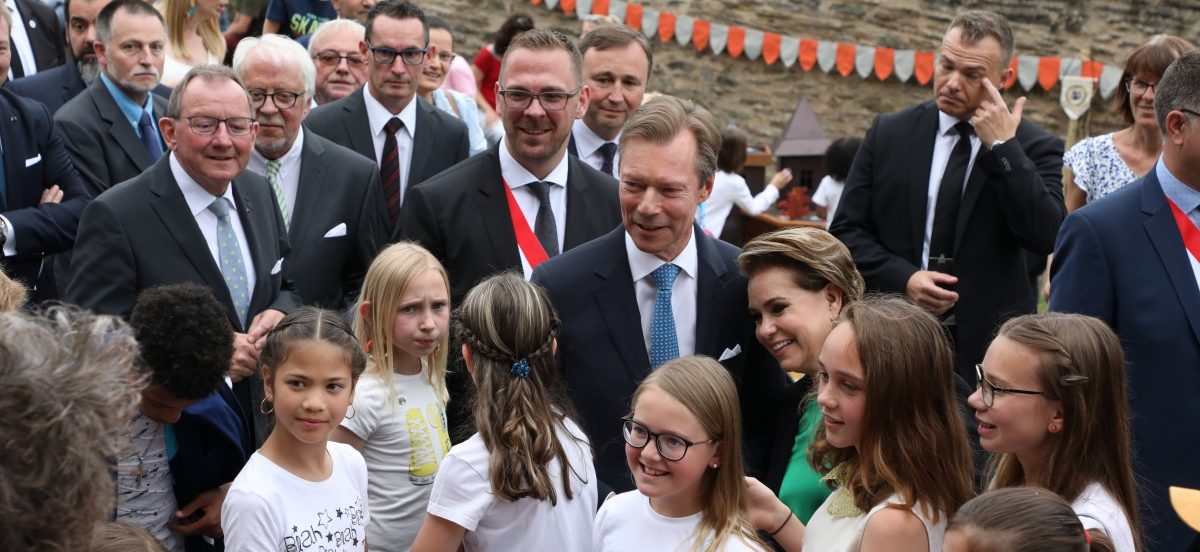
285,160
946,125
378,116
586,141
516,175
641,264
198,199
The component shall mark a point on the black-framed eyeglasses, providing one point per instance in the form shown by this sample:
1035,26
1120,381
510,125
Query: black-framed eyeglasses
989,389
282,99
1137,86
330,58
551,101
671,447
387,56
1188,111
235,126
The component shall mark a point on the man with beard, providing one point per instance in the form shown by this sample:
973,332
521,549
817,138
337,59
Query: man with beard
616,67
328,195
111,130
56,86
341,69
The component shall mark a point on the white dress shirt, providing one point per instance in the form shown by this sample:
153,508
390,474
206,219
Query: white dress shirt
588,146
289,172
947,137
20,41
378,117
198,199
518,178
683,293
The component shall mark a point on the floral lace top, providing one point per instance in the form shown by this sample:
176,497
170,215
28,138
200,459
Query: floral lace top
1098,167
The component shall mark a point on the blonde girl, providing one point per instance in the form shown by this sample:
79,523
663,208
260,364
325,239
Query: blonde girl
193,36
1021,519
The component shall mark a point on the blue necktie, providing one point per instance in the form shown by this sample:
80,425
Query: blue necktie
664,342
148,138
233,268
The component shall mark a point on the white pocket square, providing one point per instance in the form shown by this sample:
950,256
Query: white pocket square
336,231
730,353
33,160
278,266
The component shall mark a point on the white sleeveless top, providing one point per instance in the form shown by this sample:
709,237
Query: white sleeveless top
844,534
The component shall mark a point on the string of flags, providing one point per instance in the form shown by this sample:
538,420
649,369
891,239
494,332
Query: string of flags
828,56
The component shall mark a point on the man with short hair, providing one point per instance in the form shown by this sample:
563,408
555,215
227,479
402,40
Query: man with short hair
5,46
195,216
354,10
943,197
328,195
385,121
341,69
1133,261
36,37
616,66
57,85
656,270
111,131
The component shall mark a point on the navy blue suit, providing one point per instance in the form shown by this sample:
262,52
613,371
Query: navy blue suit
34,160
1122,260
53,87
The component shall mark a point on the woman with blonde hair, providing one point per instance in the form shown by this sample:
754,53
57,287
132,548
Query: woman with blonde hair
193,36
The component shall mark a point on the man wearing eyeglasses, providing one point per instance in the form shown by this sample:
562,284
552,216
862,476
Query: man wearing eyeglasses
385,121
328,195
341,69
195,216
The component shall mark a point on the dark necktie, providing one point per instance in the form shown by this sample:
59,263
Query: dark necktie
389,170
545,228
609,152
148,138
18,70
949,198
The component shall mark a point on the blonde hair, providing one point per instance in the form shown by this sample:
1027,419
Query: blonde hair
707,390
813,256
12,293
175,13
392,271
508,326
116,536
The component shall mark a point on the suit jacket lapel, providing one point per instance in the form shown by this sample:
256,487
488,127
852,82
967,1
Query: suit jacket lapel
73,83
710,305
579,208
616,301
422,148
921,159
119,128
1164,235
493,211
976,181
12,130
358,126
309,191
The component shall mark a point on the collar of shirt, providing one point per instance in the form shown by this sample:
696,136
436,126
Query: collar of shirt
586,141
516,175
378,116
132,111
1185,197
641,264
946,126
198,199
258,163
19,43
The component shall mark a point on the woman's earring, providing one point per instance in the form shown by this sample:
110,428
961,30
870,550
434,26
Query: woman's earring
262,407
1053,428
713,465
191,11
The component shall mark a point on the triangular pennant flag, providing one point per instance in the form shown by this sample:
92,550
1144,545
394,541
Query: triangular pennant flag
1110,79
683,29
737,41
1071,67
616,8
923,67
633,15
904,64
666,26
1091,69
826,55
845,59
700,31
807,54
771,47
884,60
551,4
1027,68
1012,74
583,8
718,36
754,43
536,2
568,6
864,61
1048,72
600,7
789,49
649,22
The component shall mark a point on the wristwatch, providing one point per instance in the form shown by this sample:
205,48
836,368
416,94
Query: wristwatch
3,232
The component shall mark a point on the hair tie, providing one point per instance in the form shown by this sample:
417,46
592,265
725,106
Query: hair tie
1073,380
1088,536
520,368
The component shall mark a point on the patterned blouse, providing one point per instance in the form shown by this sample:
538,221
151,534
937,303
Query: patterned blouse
1098,167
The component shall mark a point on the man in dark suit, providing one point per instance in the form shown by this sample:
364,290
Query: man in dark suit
329,195
194,216
657,271
616,67
37,39
111,130
41,195
1133,261
943,196
57,85
385,120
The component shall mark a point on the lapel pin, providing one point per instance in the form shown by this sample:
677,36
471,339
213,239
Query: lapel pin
32,24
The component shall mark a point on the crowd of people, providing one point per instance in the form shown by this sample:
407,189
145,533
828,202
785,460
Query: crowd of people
351,291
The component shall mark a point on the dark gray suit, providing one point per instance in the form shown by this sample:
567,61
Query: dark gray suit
53,87
440,139
337,187
141,233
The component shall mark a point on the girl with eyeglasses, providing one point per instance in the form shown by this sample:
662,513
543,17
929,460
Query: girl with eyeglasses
1051,407
683,445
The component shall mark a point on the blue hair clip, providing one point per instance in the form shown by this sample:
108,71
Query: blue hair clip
520,369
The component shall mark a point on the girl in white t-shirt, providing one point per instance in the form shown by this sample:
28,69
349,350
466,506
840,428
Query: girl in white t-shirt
683,444
525,481
1052,410
1021,519
300,491
400,426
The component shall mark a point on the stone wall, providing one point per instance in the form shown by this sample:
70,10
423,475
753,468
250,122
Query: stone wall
760,98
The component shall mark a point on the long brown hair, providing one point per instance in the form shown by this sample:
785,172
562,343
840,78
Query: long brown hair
1024,519
913,441
1082,366
707,390
508,326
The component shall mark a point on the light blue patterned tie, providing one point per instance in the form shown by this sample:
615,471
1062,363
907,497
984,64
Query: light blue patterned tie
664,342
233,268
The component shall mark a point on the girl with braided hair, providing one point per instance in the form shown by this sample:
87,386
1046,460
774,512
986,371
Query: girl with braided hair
525,481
